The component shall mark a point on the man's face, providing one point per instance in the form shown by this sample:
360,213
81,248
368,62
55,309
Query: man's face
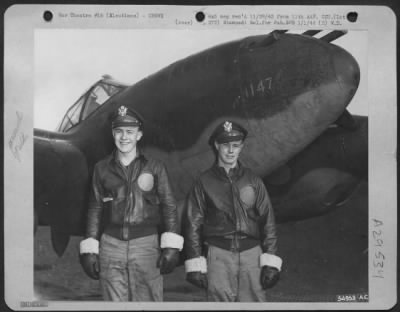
228,153
125,138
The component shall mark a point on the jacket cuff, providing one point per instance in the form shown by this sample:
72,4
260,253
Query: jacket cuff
196,265
171,240
89,245
270,260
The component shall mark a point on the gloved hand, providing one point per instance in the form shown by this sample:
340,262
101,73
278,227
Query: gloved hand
269,276
168,260
91,264
198,279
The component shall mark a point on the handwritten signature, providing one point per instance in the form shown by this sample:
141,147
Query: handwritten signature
18,138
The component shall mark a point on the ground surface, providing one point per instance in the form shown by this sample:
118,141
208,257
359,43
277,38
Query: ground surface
323,257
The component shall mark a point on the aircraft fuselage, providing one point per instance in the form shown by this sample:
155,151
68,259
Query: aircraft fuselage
285,89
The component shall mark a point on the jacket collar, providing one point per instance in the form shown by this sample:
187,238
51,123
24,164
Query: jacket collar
139,156
234,173
131,172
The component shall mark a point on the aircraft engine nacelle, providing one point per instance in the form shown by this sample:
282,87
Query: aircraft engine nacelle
323,176
60,186
285,89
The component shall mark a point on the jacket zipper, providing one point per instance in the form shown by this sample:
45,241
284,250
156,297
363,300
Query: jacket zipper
125,230
234,243
237,223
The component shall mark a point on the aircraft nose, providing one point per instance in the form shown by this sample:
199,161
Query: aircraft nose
347,71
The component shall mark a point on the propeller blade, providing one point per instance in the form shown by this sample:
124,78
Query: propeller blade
311,32
333,35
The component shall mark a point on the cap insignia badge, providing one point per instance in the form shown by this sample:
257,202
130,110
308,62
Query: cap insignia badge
228,126
122,111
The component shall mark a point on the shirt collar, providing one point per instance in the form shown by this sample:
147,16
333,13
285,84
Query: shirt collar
233,172
139,155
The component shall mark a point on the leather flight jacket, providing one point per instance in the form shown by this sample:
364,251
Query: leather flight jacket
131,202
231,211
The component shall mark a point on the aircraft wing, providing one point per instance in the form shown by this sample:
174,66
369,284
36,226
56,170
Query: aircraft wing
323,176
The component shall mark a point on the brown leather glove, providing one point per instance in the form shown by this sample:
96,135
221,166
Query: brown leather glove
91,264
269,276
168,260
198,279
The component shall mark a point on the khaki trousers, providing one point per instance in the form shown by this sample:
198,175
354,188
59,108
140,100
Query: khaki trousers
128,269
234,276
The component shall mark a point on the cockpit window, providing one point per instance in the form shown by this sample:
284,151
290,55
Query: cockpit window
71,118
88,103
97,96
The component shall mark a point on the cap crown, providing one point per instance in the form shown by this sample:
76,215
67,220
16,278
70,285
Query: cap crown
125,117
228,131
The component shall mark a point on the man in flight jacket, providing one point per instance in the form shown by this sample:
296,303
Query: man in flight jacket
230,235
131,199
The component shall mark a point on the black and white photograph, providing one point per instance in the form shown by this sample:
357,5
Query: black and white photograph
183,157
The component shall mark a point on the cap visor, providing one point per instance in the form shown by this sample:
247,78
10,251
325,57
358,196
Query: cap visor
229,138
125,124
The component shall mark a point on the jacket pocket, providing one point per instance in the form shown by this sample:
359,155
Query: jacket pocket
150,198
107,204
151,204
116,210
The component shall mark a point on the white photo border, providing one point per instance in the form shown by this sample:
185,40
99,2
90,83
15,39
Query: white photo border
20,24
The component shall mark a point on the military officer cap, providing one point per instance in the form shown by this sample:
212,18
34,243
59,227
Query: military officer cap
228,131
126,117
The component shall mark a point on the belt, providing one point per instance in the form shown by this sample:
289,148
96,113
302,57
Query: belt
129,232
233,236
234,242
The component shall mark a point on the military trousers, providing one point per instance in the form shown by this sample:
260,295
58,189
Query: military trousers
128,269
234,276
